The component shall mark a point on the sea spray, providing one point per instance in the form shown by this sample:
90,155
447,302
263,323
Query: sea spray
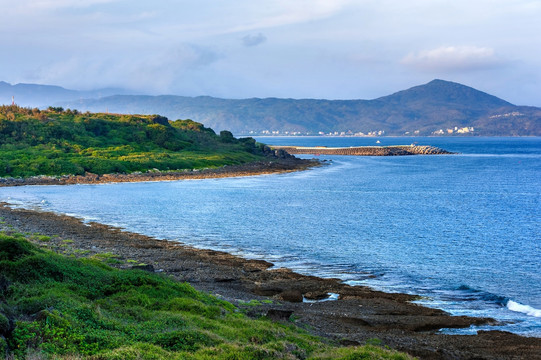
525,309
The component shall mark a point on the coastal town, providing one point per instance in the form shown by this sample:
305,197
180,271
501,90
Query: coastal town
457,130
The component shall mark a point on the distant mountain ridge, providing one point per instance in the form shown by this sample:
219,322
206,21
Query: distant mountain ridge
437,108
34,95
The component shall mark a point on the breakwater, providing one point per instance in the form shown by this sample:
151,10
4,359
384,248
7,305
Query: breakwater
397,150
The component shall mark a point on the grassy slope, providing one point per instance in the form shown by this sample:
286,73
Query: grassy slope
55,306
58,142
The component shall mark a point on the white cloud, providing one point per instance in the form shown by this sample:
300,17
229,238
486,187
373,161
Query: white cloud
253,40
57,4
453,58
32,10
284,12
156,72
291,12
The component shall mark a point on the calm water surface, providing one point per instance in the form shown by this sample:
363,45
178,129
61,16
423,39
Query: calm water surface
461,230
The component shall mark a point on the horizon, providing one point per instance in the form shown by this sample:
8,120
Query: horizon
346,49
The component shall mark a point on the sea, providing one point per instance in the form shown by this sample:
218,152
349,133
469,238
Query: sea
463,231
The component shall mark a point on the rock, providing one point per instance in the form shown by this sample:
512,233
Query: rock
148,268
355,321
279,315
292,296
316,295
348,342
267,291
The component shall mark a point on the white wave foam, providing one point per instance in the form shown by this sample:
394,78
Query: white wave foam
331,297
525,309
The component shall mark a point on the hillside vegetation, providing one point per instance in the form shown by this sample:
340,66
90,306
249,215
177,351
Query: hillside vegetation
60,307
57,142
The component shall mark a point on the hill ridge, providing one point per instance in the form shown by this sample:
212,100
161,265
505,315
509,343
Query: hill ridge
439,107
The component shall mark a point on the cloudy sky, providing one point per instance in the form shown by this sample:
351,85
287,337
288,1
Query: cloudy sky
336,49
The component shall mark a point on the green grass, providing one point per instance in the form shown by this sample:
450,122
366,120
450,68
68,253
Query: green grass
64,308
43,238
56,142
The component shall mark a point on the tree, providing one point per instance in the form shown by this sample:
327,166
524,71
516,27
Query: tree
226,136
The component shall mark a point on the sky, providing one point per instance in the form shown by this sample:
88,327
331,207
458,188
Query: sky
333,49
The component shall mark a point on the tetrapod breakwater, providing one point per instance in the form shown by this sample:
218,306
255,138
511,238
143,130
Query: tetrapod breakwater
396,150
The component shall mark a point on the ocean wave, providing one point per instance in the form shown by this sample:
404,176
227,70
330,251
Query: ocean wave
330,297
525,309
468,293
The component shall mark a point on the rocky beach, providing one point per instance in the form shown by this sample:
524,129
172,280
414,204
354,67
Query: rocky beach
282,162
350,315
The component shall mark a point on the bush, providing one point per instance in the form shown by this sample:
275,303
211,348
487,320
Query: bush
184,340
226,136
4,324
3,347
12,249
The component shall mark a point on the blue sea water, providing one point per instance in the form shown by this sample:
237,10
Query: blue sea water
462,231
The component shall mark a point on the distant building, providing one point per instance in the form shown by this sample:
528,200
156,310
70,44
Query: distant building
465,130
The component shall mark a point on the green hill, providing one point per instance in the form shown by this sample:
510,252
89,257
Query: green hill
58,142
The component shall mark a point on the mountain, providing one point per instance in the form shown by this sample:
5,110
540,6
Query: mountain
33,95
436,108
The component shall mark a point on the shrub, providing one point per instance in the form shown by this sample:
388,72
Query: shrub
4,324
226,136
184,340
12,249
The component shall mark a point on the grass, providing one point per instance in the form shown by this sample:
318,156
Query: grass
59,307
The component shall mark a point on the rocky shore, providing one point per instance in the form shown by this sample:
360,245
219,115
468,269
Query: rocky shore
359,315
282,162
397,150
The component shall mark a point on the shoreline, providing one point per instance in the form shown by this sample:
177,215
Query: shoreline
276,166
360,313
